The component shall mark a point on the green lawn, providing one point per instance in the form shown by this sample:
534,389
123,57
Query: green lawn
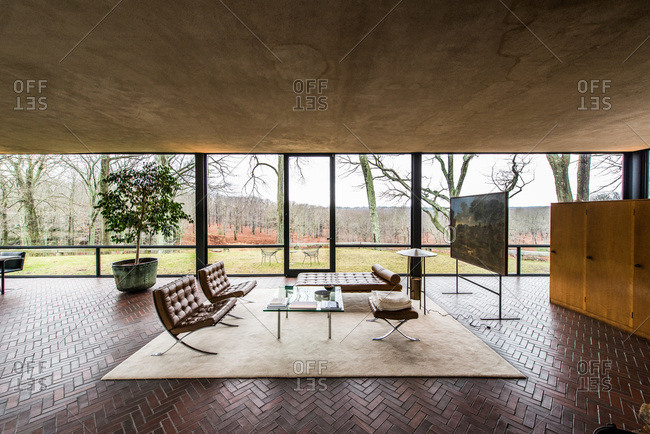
248,261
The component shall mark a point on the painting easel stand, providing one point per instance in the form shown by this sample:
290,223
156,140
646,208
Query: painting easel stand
457,276
499,294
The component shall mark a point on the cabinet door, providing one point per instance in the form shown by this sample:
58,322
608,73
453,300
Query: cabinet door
568,254
642,267
610,267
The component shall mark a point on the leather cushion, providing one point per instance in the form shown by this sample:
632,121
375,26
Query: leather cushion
217,286
390,300
236,290
178,299
386,274
204,316
243,287
214,280
396,315
349,282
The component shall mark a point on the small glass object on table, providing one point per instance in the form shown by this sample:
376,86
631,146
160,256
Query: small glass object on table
307,299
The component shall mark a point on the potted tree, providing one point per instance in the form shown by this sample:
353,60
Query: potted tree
140,201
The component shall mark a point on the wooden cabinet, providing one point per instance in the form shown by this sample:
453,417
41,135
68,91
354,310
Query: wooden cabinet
600,261
642,268
610,267
568,253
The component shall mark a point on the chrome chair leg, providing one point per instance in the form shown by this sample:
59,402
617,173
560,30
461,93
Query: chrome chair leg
395,328
228,325
180,341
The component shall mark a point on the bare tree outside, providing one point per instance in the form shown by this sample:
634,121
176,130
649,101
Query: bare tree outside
515,176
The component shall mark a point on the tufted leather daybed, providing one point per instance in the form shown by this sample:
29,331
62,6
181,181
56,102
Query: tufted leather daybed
380,279
183,308
216,286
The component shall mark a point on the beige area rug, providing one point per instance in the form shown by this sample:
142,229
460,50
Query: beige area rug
445,349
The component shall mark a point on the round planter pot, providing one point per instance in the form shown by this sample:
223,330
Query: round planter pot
133,278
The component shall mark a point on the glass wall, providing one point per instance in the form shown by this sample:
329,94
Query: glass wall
533,182
373,208
309,212
49,200
245,208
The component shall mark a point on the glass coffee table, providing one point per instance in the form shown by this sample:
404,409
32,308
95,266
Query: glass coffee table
307,299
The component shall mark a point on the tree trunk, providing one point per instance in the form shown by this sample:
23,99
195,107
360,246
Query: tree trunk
71,212
4,221
31,216
5,226
163,161
280,201
560,167
92,232
584,169
137,248
372,200
105,170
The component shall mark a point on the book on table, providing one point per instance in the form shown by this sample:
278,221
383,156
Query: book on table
304,305
329,305
277,302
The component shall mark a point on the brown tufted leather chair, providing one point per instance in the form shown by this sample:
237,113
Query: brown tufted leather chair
216,286
183,308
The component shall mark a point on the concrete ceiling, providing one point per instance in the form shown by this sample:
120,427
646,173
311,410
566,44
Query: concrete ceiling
430,76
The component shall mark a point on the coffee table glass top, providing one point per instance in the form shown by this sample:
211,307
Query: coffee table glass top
298,294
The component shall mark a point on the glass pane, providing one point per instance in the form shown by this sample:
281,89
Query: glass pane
170,261
309,212
254,260
605,176
445,264
512,260
588,177
373,199
535,260
58,262
361,259
245,205
65,191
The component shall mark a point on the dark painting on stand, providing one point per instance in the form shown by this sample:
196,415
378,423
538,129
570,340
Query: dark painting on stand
480,231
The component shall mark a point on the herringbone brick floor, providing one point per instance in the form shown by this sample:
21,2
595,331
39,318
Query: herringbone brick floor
58,337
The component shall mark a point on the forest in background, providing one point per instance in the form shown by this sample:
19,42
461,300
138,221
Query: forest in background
50,199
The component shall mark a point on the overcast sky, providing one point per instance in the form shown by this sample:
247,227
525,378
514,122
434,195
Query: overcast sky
350,192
